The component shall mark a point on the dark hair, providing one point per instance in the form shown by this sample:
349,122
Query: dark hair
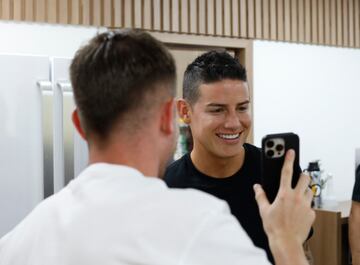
210,67
119,76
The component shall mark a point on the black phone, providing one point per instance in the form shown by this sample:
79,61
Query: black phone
274,148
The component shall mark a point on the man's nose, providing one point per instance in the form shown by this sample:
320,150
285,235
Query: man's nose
232,121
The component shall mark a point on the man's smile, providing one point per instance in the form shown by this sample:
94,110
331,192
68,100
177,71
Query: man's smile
228,136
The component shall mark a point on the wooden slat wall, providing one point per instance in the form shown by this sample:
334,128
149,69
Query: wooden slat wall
324,22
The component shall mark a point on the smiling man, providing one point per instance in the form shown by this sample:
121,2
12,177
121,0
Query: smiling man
216,105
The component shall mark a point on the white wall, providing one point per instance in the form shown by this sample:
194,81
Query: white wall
43,39
313,91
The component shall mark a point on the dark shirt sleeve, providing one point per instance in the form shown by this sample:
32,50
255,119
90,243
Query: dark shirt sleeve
356,191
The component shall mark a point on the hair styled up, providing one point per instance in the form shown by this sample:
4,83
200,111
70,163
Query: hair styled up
119,76
210,67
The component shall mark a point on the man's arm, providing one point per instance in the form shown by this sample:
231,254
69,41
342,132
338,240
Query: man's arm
354,232
287,221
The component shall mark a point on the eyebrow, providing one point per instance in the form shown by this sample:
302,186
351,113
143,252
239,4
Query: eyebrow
223,105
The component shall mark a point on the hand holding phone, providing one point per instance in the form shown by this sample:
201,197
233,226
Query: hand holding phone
287,221
274,148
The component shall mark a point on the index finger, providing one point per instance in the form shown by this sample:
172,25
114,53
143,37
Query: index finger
287,169
261,199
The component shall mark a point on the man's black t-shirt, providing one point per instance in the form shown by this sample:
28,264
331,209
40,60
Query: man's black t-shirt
237,190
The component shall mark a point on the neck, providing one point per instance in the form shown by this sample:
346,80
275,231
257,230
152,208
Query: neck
215,166
128,151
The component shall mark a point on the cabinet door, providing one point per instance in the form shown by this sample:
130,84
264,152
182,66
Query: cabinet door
21,136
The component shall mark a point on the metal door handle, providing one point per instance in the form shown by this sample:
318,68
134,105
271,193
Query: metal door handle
68,130
47,98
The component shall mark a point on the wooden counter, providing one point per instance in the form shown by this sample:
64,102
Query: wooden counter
329,244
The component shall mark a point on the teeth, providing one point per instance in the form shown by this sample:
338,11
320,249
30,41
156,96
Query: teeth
229,136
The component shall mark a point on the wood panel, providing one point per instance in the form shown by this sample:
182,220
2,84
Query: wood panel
184,16
327,25
202,19
96,14
266,20
258,19
85,12
351,22
117,21
235,29
308,21
273,20
166,14
294,20
227,18
108,14
333,22
339,19
321,24
301,21
17,11
324,22
251,19
5,10
287,20
243,19
280,20
314,21
128,14
193,16
29,10
211,22
345,14
357,23
218,18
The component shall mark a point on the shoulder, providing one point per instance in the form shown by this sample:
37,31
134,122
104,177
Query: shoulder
252,150
175,172
252,155
195,200
177,164
217,228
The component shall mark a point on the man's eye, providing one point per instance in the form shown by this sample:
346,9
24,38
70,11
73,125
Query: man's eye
216,110
242,109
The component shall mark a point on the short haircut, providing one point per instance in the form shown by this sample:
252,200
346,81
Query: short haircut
210,67
119,76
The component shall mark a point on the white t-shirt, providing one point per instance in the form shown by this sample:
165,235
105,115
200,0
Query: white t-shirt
113,214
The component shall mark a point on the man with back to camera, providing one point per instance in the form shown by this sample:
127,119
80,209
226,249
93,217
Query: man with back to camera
216,106
354,221
117,211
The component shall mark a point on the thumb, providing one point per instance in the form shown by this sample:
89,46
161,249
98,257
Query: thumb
261,198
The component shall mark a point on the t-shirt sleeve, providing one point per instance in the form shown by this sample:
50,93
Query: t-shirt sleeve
220,240
356,190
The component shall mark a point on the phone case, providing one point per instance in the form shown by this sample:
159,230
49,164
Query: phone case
274,148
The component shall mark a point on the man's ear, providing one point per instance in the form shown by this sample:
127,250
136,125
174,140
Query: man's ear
76,121
183,109
168,117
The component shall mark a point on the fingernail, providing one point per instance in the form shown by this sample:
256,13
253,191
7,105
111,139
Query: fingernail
290,153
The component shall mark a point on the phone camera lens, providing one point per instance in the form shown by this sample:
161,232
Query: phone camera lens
270,144
279,147
270,153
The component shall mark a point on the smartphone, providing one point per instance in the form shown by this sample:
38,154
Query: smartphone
273,150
